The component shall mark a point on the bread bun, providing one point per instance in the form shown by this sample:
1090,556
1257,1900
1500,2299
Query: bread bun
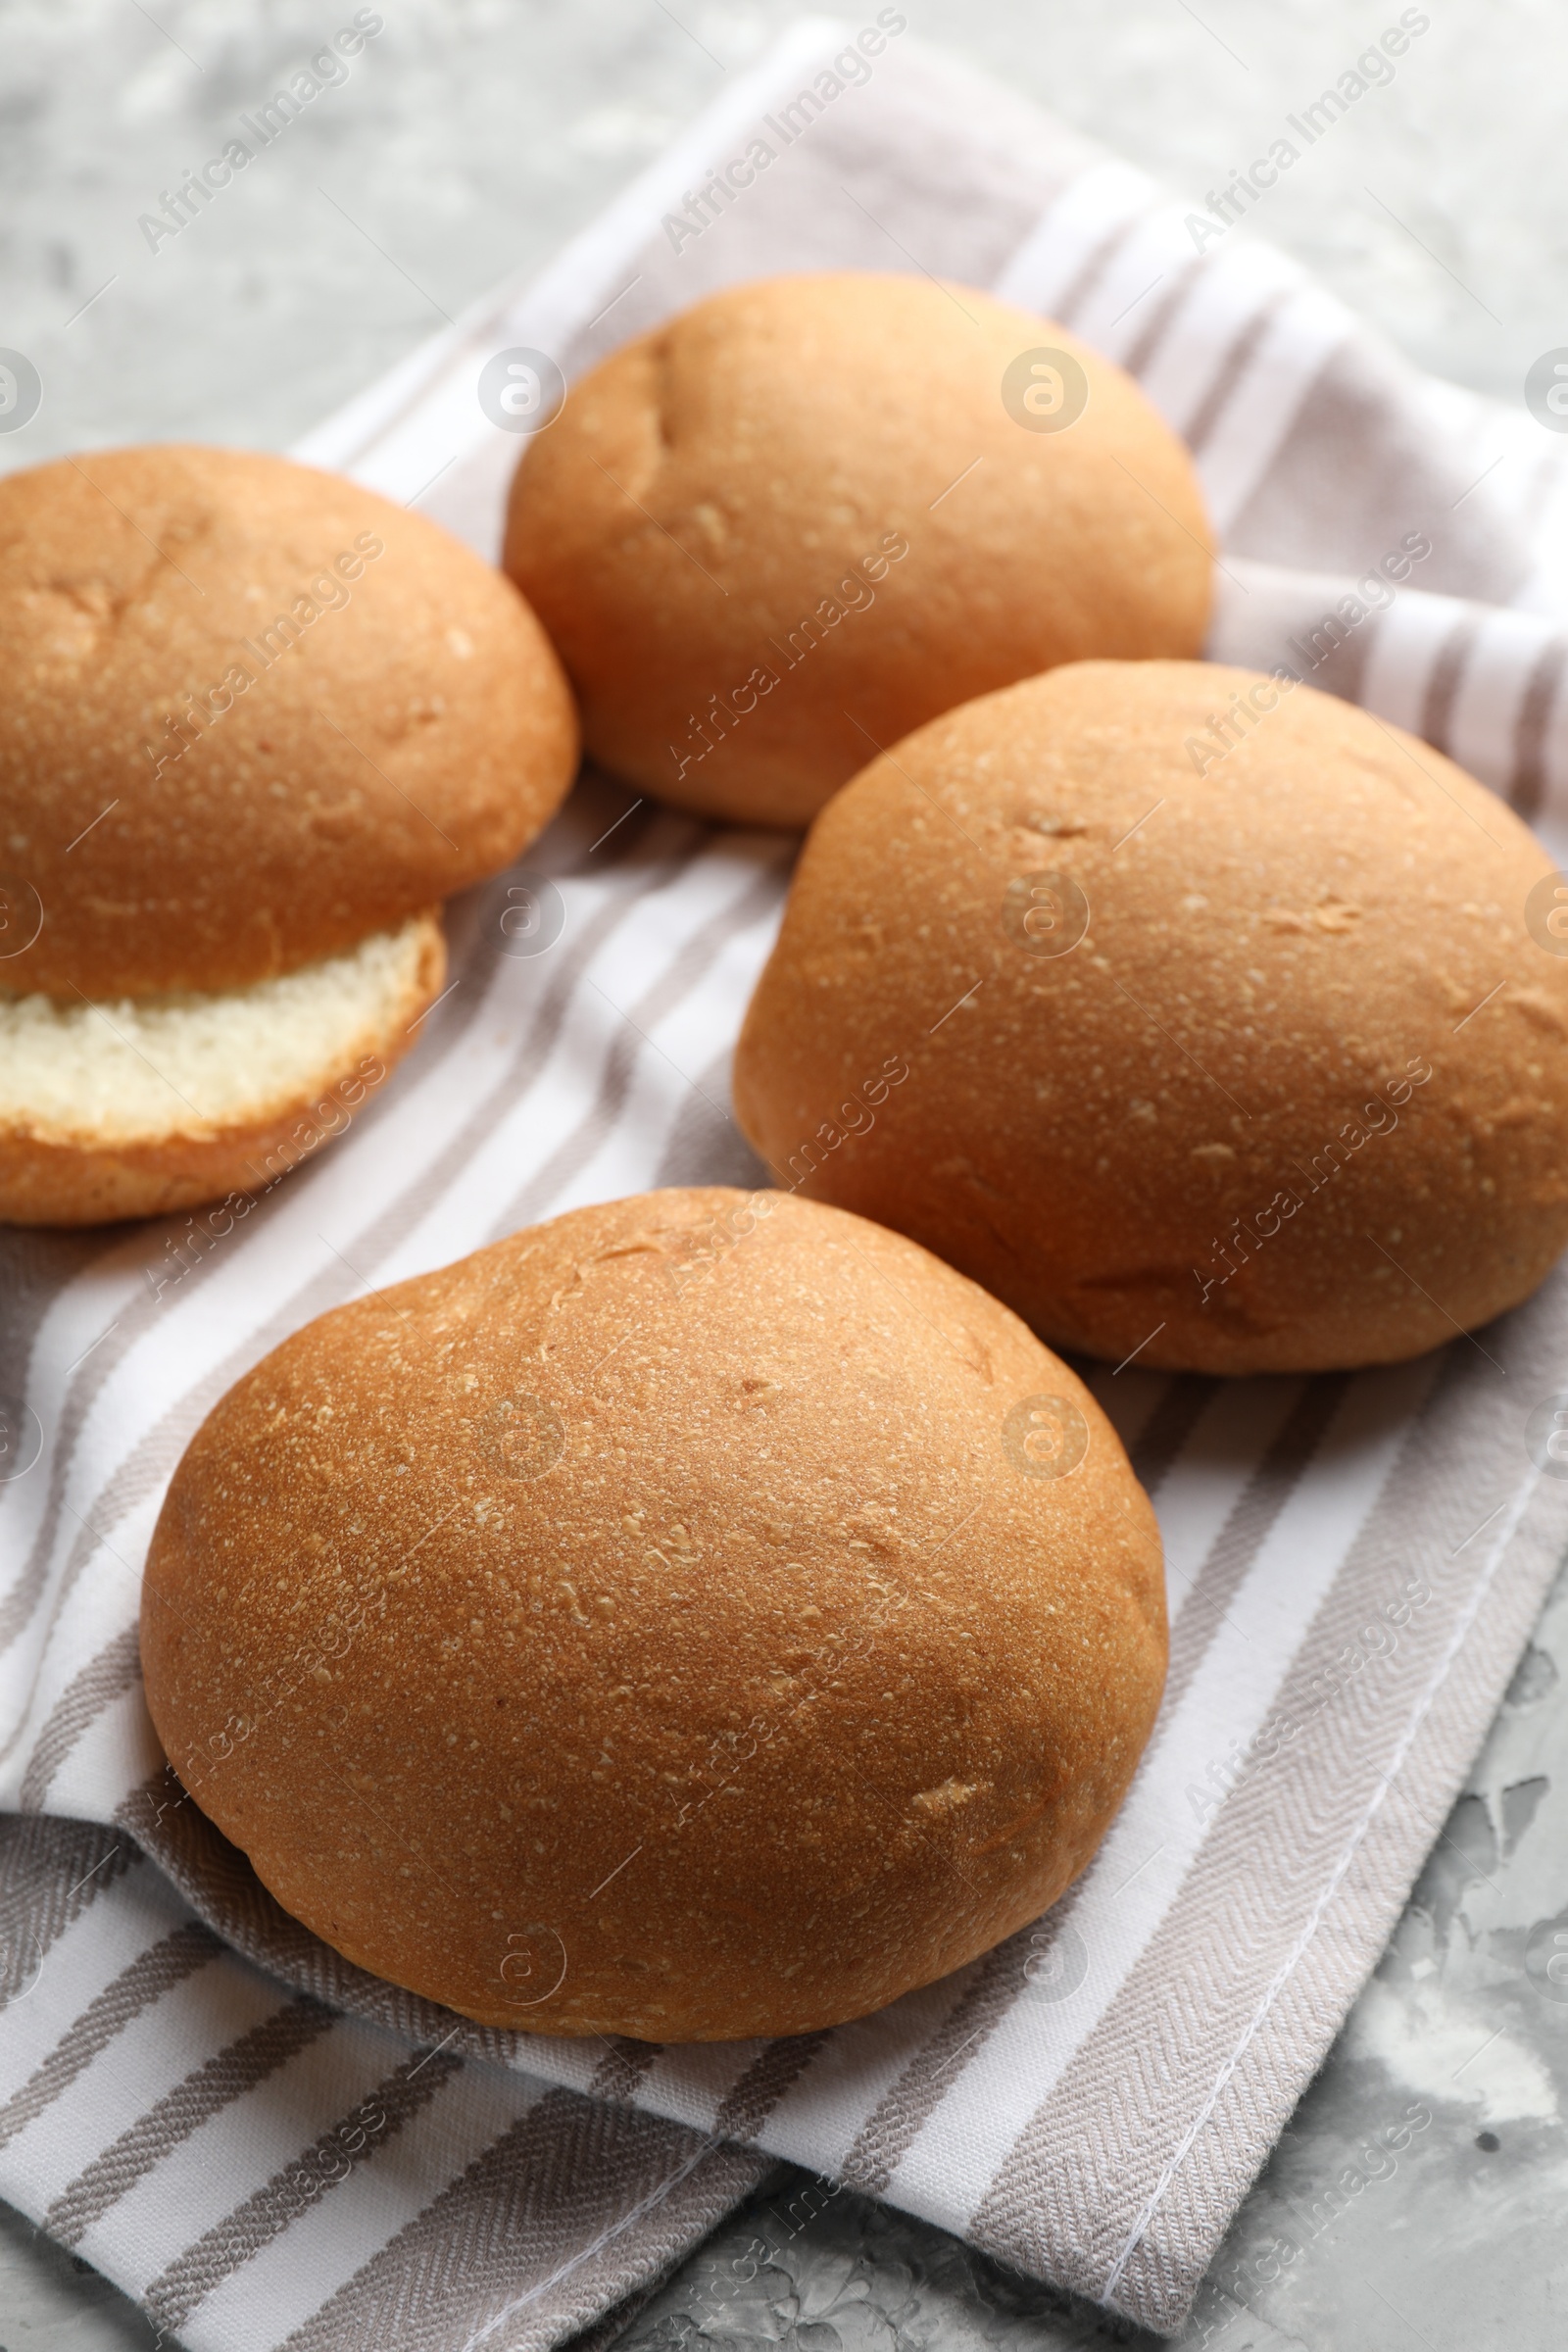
254,715
151,1103
697,1617
811,512
1224,1039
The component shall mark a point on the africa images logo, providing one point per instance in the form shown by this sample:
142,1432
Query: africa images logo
1372,70
705,204
326,69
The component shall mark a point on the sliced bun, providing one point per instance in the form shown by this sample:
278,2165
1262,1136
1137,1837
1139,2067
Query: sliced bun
811,512
701,1616
1242,1058
144,1104
253,714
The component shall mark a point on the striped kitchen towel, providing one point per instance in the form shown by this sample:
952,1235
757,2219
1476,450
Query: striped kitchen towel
270,2147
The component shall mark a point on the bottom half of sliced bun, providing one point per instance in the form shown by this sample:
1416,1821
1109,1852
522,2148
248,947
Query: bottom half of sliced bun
137,1106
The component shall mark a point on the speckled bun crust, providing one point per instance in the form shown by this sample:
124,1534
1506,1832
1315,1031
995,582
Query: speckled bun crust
409,738
1257,1070
664,1622
764,459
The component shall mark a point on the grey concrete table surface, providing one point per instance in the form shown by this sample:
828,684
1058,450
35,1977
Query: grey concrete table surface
1416,2198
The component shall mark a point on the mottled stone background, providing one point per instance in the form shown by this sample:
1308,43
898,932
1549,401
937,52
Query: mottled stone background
1418,2198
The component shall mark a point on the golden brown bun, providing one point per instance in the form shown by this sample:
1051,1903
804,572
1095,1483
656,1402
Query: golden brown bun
410,738
664,1622
155,1104
1276,950
759,459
